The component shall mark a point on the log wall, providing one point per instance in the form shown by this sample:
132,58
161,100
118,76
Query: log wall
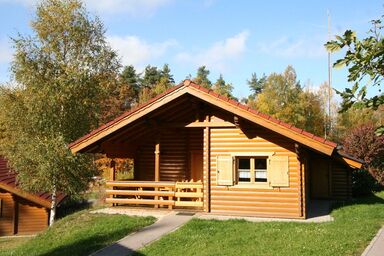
6,218
19,216
32,218
175,148
253,201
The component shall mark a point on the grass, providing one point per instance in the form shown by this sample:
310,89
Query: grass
78,234
354,226
10,243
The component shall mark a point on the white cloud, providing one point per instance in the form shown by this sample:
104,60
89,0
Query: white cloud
130,7
287,48
220,55
138,52
6,51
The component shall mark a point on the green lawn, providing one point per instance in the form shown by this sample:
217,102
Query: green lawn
354,226
77,234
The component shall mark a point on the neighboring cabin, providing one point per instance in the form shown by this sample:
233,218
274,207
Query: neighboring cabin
20,212
247,163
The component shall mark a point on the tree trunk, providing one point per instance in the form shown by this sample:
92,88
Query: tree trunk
53,207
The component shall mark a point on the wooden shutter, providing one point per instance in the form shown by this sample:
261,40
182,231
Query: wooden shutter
278,171
224,170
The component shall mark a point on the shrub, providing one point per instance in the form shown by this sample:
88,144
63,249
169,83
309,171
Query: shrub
362,143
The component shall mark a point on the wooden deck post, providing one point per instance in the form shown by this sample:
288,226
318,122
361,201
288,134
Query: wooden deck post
206,166
112,175
157,160
157,166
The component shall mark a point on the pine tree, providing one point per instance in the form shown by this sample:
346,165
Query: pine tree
202,78
222,88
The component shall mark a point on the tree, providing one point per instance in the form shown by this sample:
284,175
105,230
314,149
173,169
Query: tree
362,143
62,70
329,107
151,77
166,74
354,117
365,61
202,77
155,82
130,79
223,88
256,85
283,98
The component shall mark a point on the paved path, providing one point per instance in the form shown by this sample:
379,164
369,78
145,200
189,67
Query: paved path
376,247
133,242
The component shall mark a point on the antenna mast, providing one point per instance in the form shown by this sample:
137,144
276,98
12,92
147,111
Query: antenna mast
328,115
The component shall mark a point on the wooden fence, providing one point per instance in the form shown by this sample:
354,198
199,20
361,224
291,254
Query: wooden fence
161,193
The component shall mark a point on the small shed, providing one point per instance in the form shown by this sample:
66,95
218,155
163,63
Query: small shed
21,213
193,147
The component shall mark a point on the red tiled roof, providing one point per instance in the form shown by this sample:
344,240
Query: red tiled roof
187,83
8,180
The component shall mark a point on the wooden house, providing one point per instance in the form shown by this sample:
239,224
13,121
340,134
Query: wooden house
193,147
21,213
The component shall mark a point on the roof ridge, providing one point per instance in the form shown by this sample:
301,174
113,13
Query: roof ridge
191,83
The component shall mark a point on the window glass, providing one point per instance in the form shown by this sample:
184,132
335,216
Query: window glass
261,169
244,169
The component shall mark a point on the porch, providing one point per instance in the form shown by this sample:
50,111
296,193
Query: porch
157,193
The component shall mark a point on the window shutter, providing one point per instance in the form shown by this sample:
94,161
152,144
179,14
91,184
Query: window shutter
278,171
224,170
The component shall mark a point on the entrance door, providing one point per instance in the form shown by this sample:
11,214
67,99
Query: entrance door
319,178
197,165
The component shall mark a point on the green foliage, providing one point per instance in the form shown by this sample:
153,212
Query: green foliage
351,231
81,233
365,61
130,79
256,85
354,117
155,82
202,77
63,71
283,98
151,76
223,88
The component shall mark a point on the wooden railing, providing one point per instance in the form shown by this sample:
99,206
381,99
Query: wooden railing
161,193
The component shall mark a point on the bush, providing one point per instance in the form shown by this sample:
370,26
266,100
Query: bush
363,183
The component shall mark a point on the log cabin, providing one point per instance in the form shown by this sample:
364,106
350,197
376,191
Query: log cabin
21,213
194,148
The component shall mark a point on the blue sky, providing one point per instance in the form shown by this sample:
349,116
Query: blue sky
233,38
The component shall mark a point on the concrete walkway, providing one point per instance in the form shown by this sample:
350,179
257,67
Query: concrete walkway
135,241
376,247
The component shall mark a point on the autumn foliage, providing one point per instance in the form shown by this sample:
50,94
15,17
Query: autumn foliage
363,143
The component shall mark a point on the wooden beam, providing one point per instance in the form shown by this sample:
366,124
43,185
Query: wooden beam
15,219
157,160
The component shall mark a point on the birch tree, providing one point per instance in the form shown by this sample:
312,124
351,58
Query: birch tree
61,72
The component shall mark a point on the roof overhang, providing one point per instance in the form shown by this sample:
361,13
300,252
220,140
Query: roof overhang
93,139
25,195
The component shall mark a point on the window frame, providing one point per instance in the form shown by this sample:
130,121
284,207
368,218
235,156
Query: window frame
252,170
251,155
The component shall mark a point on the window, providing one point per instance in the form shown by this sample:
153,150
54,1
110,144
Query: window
252,169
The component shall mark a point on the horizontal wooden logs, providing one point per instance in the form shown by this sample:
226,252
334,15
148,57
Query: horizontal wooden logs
188,203
142,184
139,201
139,193
188,194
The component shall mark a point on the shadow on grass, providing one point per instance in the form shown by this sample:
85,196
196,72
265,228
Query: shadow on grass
71,206
362,200
91,245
